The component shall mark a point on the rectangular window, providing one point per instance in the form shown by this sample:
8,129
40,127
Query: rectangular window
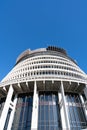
22,117
49,115
7,119
75,112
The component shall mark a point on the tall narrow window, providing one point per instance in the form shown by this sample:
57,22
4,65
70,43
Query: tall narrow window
22,117
7,119
75,112
49,115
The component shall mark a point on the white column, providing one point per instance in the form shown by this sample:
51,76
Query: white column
6,108
12,113
63,120
84,107
34,122
64,114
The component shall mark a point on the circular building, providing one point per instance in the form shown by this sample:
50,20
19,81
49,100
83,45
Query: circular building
45,90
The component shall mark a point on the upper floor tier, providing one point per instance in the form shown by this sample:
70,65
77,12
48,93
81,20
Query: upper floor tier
43,64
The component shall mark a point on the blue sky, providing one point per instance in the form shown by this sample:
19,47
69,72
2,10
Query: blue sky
38,23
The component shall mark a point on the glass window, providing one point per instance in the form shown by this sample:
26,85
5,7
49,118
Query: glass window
7,119
75,112
49,115
22,117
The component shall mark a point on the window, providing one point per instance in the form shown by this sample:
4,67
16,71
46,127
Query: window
75,112
22,117
49,115
7,119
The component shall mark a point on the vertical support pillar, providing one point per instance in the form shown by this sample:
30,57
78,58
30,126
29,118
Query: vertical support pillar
12,113
63,120
84,107
34,122
64,110
6,108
